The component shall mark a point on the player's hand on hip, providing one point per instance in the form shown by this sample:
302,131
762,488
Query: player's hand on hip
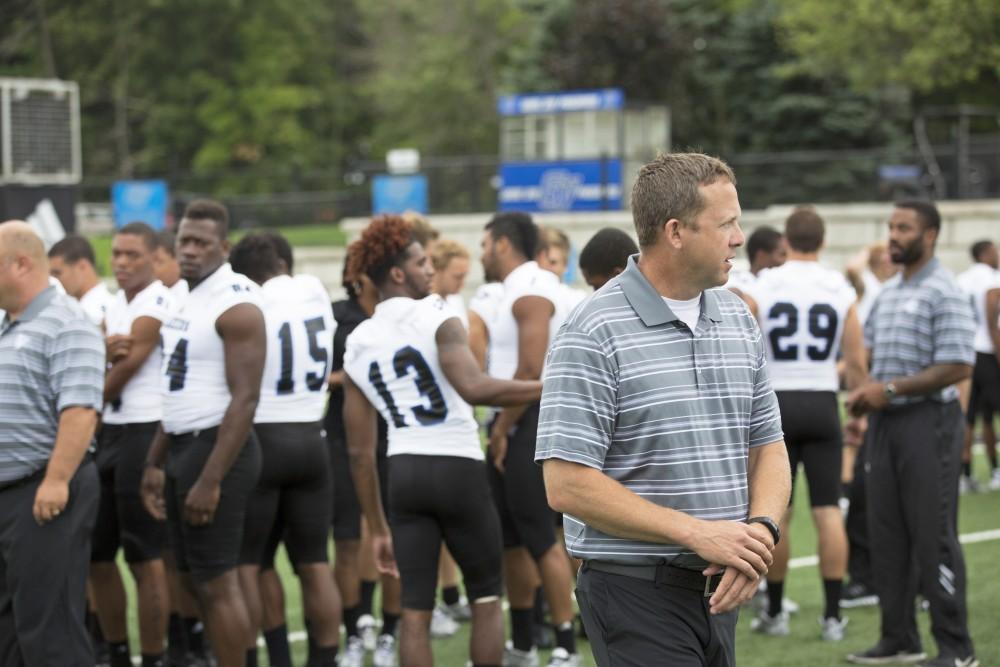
498,447
734,544
50,500
201,502
151,492
734,589
385,558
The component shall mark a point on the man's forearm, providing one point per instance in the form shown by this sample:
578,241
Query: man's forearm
932,379
76,431
364,473
157,454
770,479
232,435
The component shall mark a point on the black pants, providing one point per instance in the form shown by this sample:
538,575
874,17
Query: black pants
859,560
43,576
914,456
635,623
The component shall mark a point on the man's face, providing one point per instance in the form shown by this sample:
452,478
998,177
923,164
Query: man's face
909,242
417,272
8,283
165,267
132,261
773,258
710,247
554,260
597,280
991,257
488,257
200,250
69,274
451,278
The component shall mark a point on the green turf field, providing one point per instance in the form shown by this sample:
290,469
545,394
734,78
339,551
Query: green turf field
979,512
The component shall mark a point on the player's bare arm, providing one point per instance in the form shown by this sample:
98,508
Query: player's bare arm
993,318
243,338
144,337
361,427
151,487
465,375
479,338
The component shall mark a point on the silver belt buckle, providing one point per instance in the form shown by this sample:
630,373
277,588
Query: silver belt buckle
708,585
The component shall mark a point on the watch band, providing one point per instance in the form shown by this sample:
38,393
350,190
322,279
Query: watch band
768,523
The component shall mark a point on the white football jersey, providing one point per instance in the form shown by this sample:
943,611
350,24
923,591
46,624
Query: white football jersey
140,400
96,301
179,291
300,328
393,358
457,303
802,307
975,282
526,280
193,384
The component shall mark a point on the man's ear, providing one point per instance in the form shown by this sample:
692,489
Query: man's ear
397,275
672,232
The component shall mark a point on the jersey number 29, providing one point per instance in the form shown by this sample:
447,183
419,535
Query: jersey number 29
822,325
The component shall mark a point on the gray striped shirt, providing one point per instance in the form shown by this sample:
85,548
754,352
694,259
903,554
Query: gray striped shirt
51,358
917,323
670,414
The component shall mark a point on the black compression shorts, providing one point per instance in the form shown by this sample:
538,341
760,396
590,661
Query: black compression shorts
811,422
211,550
122,521
435,497
346,507
984,399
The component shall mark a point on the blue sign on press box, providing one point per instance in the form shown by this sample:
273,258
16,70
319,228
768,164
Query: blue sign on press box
140,201
399,193
568,185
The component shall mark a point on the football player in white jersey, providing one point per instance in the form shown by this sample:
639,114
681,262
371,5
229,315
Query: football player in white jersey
168,270
72,262
411,362
131,416
807,315
553,255
215,347
766,249
981,282
605,256
524,323
293,500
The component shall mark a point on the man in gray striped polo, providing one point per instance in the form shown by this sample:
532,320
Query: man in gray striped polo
660,434
920,336
51,382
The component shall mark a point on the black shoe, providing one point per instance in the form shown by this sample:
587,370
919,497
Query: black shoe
856,594
883,654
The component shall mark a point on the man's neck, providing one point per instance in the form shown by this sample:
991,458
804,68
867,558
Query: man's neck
134,292
90,284
795,256
666,279
510,266
29,294
910,270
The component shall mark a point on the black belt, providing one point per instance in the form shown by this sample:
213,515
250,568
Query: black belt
668,575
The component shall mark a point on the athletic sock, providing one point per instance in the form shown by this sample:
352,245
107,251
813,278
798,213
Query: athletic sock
367,594
119,654
323,656
539,608
194,631
831,589
351,616
521,621
278,652
175,633
389,623
251,660
153,660
775,592
565,637
967,469
449,595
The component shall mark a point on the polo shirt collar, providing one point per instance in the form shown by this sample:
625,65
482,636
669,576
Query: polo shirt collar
41,300
649,304
928,268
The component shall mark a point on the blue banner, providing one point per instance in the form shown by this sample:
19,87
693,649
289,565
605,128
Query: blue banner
399,193
571,185
140,201
607,99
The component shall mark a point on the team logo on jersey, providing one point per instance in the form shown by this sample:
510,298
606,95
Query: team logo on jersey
178,323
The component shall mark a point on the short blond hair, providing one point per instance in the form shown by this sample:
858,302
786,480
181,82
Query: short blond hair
446,250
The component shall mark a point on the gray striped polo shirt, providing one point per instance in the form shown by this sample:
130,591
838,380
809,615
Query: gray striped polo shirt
51,358
669,413
917,323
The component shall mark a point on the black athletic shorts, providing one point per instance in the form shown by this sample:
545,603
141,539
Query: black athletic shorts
984,399
811,422
435,497
122,521
211,550
293,500
519,493
346,507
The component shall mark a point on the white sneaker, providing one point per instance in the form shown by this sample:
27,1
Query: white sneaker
832,629
368,630
789,606
385,651
460,611
560,657
775,626
968,485
354,653
442,624
513,657
994,483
